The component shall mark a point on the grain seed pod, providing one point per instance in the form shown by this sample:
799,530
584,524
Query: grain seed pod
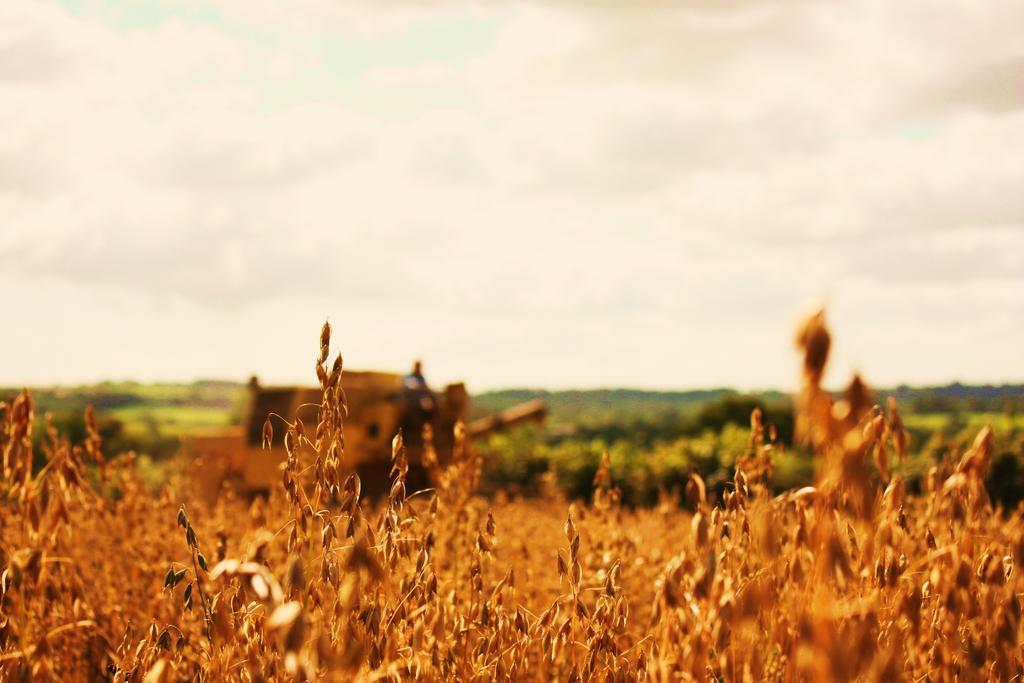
696,492
159,673
397,446
268,433
977,459
178,577
325,341
570,529
284,615
899,433
336,370
814,339
482,543
1017,550
699,526
807,495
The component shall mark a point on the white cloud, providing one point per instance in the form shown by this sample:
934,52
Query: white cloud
417,74
584,195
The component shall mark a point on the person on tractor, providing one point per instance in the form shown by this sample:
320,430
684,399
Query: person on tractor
420,406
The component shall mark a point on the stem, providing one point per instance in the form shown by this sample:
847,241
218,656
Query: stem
202,596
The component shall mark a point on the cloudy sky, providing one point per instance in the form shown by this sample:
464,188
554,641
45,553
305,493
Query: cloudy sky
552,194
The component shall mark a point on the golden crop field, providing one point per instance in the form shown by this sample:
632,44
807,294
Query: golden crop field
854,578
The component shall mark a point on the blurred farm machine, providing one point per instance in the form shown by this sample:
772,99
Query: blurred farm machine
379,404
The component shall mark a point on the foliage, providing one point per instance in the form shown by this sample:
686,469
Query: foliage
520,459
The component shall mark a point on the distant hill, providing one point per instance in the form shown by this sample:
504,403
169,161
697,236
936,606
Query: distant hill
957,396
564,404
571,404
619,396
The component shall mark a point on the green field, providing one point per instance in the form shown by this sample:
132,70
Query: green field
954,422
171,419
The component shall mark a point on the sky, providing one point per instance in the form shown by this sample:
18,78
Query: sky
557,194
